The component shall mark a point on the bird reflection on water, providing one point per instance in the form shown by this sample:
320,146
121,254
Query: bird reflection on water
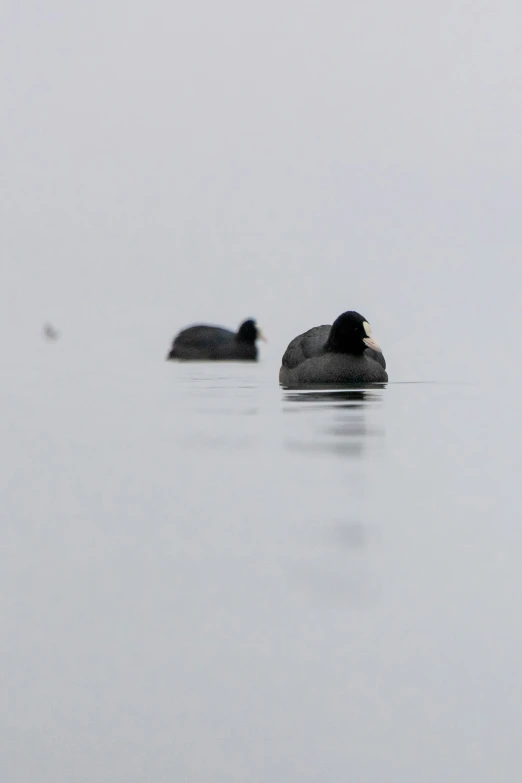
342,415
338,433
343,396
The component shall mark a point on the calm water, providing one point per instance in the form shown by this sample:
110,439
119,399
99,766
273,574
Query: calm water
207,578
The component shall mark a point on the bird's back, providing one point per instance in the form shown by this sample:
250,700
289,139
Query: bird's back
305,346
204,335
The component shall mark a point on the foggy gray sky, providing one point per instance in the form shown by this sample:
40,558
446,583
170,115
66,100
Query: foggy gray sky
165,163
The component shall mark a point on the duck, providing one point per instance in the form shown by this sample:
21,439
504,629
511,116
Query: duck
215,343
344,352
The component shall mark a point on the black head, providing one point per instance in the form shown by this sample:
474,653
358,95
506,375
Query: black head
248,332
350,333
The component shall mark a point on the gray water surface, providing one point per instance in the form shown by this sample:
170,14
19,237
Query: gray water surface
206,578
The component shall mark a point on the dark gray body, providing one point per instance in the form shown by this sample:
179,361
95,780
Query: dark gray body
203,343
306,361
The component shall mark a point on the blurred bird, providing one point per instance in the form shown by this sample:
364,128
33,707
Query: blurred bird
50,333
207,343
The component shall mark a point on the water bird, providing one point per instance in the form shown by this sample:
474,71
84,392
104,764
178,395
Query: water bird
215,343
344,352
49,332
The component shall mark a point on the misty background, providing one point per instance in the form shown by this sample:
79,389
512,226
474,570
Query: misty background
166,163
